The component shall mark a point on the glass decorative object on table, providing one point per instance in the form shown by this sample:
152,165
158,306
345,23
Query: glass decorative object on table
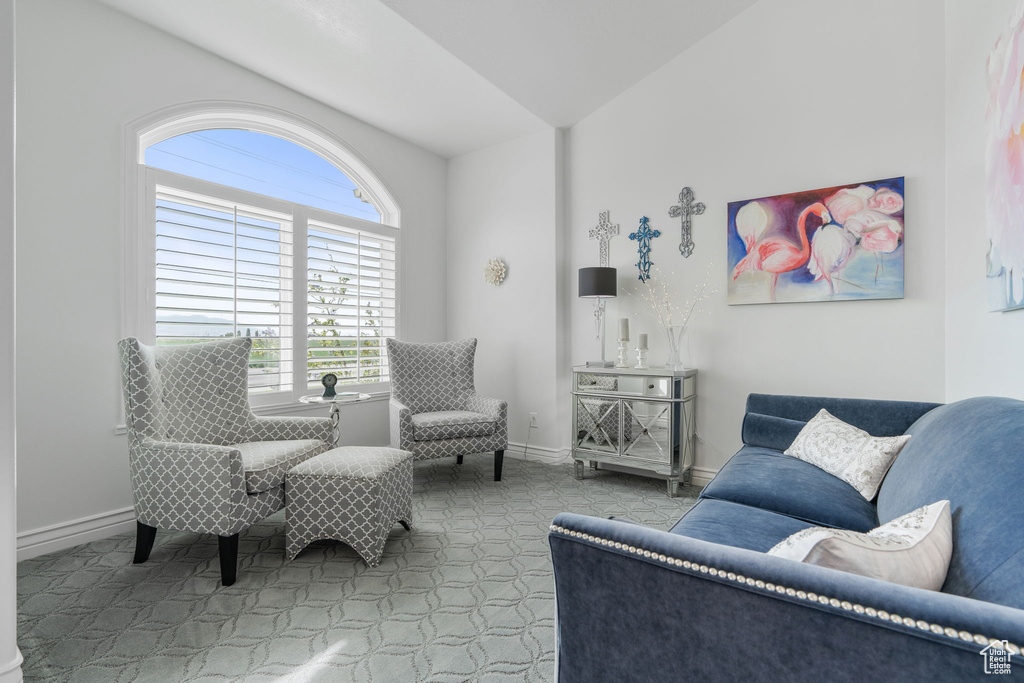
335,401
675,318
677,359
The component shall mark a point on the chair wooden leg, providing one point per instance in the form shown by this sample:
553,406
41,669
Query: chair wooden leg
144,537
458,461
499,458
228,558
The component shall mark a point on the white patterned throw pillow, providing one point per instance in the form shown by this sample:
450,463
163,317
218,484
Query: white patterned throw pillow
912,550
842,450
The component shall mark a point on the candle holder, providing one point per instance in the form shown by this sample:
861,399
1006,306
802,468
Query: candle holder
641,358
621,363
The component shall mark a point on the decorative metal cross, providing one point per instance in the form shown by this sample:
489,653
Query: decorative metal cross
603,232
686,208
643,236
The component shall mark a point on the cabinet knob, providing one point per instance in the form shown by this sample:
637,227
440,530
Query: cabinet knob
650,386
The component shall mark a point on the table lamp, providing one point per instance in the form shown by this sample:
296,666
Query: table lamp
598,283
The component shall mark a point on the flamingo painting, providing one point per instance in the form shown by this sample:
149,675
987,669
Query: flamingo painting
836,243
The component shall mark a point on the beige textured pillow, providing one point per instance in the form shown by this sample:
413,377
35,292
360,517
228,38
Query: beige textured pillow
912,550
842,450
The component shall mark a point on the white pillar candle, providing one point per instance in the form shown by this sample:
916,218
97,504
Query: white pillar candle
623,329
643,340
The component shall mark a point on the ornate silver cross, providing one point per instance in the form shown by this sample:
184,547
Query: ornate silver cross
603,232
686,208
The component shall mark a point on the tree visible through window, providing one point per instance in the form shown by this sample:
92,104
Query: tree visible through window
351,302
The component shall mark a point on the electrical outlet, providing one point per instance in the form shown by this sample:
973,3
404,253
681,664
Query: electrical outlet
533,419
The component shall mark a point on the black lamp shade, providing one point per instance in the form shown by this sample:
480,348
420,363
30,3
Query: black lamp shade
597,282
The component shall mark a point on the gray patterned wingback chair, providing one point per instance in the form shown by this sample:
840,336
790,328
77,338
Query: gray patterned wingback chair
200,460
435,410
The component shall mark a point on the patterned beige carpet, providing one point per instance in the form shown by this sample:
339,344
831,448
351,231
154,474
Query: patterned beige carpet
467,595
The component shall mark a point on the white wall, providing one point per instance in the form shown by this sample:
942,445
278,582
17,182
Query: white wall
10,657
785,97
503,202
983,349
86,71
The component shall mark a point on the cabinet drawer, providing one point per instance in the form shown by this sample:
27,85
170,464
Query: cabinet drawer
626,385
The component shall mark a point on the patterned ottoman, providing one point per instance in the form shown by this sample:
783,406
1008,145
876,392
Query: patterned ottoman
353,494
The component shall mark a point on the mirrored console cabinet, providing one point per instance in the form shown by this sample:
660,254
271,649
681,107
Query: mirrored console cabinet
640,419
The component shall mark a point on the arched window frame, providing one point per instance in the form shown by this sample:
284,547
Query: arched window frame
138,278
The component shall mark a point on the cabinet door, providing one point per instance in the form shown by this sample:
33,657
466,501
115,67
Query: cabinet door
597,424
649,432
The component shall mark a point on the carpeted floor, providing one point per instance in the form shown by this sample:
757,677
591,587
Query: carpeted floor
467,595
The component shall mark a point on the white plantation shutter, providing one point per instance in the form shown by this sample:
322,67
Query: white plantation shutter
351,303
225,269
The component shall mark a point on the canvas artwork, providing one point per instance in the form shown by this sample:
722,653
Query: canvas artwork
1004,168
833,244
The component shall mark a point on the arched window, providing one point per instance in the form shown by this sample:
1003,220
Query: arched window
255,224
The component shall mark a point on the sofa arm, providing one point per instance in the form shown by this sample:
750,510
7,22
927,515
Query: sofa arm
400,419
188,487
633,603
276,428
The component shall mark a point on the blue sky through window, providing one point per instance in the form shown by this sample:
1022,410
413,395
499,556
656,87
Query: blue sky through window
263,164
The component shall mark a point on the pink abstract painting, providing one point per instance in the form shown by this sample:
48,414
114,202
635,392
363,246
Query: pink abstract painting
1004,168
832,244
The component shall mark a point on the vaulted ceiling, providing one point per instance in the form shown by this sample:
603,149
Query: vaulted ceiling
449,75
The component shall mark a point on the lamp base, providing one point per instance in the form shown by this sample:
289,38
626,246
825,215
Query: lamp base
599,364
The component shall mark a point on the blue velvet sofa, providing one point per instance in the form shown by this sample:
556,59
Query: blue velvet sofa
703,601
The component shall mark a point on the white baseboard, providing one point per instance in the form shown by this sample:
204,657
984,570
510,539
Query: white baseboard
551,456
702,476
104,525
11,671
49,539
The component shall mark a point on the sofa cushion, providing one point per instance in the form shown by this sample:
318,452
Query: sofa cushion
266,462
740,526
972,454
451,424
766,478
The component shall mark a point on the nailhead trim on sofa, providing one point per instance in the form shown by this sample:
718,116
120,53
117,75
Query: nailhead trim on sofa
791,592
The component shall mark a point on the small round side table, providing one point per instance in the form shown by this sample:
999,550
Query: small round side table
341,399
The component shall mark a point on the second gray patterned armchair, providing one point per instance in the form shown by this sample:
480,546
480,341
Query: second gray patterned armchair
435,410
200,460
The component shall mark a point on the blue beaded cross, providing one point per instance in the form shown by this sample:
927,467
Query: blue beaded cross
643,236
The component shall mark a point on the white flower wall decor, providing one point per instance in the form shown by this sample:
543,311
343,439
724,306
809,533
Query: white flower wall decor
494,272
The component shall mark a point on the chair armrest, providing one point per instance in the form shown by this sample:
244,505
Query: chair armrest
400,419
493,407
188,487
277,428
632,599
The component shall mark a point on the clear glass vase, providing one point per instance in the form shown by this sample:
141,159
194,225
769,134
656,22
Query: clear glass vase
676,347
